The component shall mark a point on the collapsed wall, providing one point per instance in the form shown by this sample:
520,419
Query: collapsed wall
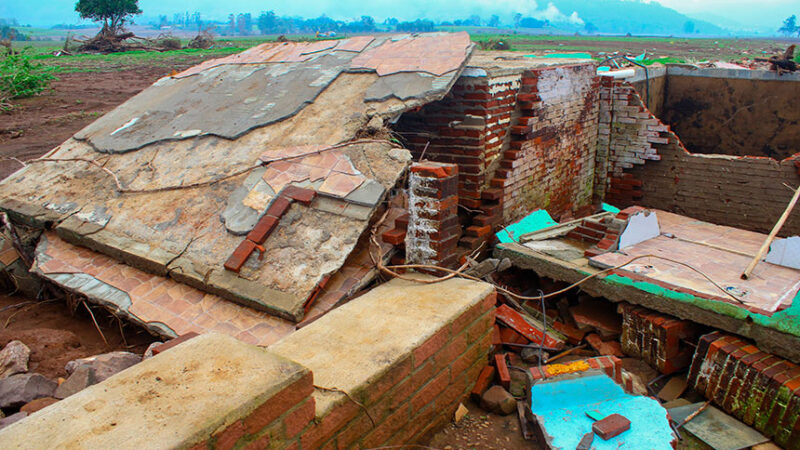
524,135
642,161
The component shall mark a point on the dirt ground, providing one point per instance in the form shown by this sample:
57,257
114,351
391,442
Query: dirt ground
480,430
38,124
56,336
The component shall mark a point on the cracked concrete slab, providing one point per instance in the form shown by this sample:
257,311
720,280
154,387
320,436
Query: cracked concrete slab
173,222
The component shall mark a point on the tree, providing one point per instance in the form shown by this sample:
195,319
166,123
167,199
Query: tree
112,13
267,22
590,28
517,19
789,26
688,27
494,21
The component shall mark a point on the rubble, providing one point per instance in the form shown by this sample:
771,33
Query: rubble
498,400
14,359
367,158
103,366
17,390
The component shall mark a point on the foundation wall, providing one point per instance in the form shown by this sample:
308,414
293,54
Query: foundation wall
352,380
729,112
641,161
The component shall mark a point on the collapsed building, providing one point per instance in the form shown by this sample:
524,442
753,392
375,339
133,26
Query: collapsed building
265,195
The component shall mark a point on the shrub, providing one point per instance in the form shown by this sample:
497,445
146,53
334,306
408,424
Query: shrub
21,77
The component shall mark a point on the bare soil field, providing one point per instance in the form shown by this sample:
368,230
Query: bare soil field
84,91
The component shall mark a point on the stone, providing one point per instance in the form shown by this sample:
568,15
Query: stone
17,390
375,124
81,378
14,359
40,403
612,425
533,355
461,412
6,421
105,365
498,400
149,352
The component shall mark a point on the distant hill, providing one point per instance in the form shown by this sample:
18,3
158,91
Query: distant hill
635,17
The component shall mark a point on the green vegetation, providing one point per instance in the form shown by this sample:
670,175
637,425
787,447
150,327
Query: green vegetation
21,77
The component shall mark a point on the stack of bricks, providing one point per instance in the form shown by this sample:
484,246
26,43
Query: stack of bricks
627,136
467,128
550,162
759,389
261,231
433,227
657,339
601,233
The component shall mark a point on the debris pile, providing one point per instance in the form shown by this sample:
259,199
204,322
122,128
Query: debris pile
23,392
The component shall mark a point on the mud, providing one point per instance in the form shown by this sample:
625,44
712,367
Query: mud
56,336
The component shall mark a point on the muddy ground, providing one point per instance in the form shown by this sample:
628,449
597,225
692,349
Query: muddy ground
56,335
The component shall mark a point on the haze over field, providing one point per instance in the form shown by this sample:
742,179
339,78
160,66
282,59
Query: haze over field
609,16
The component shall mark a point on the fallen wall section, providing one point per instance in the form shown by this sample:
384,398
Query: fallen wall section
407,352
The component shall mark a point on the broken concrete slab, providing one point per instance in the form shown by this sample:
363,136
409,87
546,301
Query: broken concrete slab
165,183
717,429
559,404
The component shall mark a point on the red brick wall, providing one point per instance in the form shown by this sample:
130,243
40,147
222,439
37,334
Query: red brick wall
757,388
551,157
658,339
415,397
641,162
548,163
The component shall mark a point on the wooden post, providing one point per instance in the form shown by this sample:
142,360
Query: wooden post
777,228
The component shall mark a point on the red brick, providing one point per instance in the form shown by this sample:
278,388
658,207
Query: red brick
340,416
502,370
296,420
394,237
298,194
431,346
611,426
401,222
485,380
173,342
226,439
278,206
262,230
514,320
259,444
479,231
431,390
390,379
279,404
240,255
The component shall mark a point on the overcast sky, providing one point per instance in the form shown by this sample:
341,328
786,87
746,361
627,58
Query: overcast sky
763,13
